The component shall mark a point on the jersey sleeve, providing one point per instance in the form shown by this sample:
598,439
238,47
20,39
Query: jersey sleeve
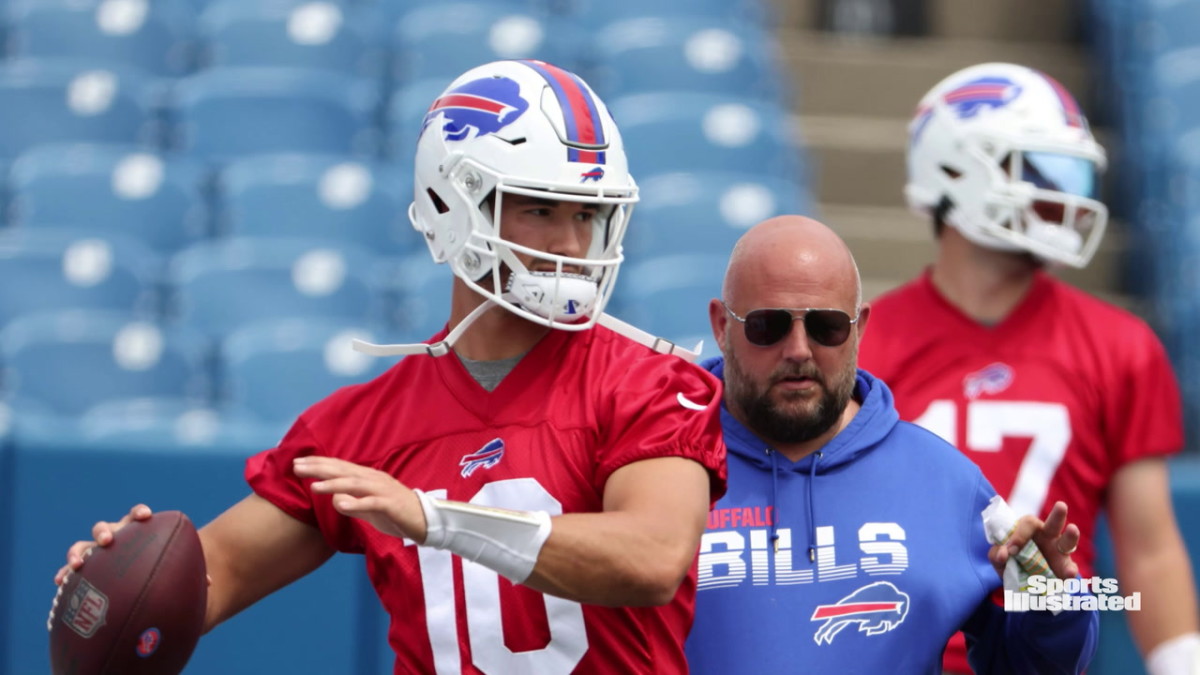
270,475
1143,410
662,406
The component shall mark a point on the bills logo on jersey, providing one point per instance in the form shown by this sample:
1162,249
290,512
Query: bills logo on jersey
876,608
477,108
992,379
484,458
984,93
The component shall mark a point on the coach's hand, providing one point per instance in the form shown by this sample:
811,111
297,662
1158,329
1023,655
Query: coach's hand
1055,538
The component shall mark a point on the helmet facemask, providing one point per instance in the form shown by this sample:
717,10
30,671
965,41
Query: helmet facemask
1035,200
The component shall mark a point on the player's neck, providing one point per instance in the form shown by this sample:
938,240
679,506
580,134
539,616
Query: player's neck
984,284
497,334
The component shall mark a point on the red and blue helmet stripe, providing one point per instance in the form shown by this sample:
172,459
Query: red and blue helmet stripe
1071,111
581,115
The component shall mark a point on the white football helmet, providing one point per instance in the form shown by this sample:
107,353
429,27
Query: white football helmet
1009,152
527,128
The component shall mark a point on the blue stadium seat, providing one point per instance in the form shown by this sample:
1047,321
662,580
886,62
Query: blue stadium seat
688,131
420,297
119,190
61,269
446,39
219,286
668,296
598,12
684,52
299,33
45,101
275,369
225,113
706,211
152,35
328,197
64,362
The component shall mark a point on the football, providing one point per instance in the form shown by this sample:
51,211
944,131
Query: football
136,606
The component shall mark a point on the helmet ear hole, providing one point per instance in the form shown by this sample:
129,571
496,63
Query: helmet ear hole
438,204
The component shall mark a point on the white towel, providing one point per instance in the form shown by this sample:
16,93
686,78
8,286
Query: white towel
999,520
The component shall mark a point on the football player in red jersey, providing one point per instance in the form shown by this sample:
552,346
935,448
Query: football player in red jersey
1055,394
531,439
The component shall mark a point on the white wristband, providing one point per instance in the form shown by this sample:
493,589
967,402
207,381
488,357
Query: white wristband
1177,656
499,539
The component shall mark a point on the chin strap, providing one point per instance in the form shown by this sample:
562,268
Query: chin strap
439,348
660,345
442,347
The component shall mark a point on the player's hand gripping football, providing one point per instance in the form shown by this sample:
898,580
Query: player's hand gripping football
1055,538
102,535
361,492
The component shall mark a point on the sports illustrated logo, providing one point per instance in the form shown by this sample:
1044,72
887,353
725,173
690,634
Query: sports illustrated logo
876,608
1056,595
984,93
86,609
484,458
992,379
477,108
148,642
594,175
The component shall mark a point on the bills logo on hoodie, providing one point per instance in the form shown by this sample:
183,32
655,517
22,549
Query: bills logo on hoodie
876,608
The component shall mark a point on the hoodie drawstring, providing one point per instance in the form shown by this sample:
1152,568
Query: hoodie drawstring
812,516
774,500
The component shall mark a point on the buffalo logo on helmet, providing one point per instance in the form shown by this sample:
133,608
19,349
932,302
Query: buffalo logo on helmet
594,175
477,108
968,99
876,608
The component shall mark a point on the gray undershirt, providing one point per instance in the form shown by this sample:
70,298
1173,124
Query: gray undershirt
489,373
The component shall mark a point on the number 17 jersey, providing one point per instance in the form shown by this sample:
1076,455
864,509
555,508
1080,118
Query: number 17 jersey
1049,403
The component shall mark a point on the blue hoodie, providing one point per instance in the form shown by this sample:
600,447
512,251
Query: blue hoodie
863,557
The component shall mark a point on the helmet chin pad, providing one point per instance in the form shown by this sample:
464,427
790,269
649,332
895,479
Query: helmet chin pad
553,296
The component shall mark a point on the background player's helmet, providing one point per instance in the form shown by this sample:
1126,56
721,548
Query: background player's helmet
529,128
1009,150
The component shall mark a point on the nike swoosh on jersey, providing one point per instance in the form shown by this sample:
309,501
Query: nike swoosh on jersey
683,401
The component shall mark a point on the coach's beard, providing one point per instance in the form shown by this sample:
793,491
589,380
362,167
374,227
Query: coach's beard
777,425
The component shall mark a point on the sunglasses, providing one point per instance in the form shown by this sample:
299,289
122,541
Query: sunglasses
765,327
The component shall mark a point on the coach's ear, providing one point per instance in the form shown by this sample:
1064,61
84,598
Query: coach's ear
718,318
864,313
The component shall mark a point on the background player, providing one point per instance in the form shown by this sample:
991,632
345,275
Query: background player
1055,394
570,429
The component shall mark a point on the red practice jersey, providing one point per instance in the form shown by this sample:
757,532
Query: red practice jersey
575,409
1050,402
